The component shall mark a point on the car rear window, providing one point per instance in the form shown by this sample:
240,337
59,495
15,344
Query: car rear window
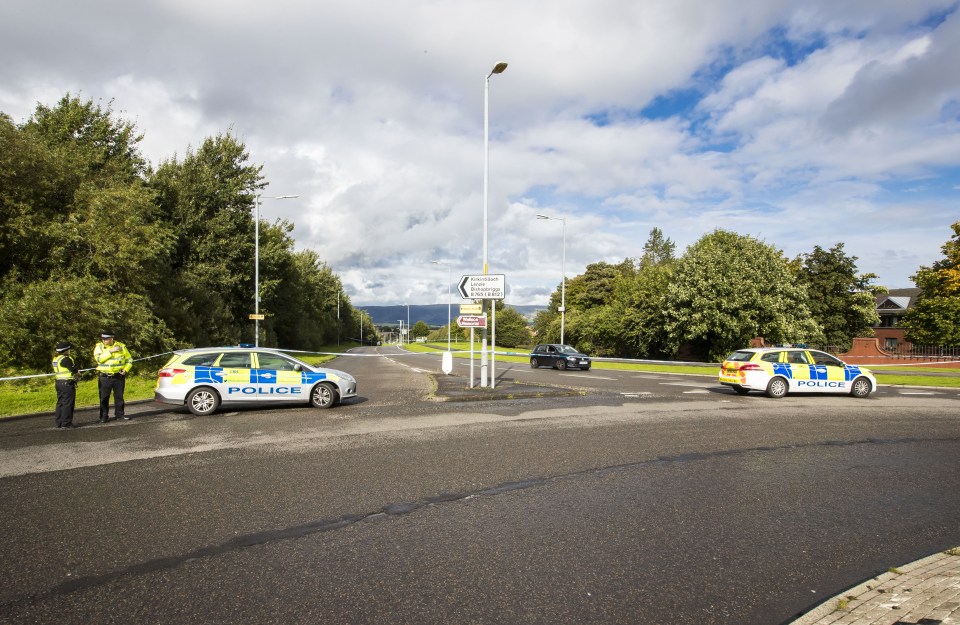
202,360
740,356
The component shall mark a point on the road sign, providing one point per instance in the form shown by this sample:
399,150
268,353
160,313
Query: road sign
472,321
471,309
488,286
259,317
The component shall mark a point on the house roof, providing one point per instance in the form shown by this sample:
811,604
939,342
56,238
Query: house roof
897,299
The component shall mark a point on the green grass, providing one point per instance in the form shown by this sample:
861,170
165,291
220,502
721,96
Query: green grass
38,395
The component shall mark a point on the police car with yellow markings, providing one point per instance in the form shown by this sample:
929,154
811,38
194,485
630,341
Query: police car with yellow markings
781,370
205,379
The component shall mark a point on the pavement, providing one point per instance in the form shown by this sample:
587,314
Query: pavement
925,592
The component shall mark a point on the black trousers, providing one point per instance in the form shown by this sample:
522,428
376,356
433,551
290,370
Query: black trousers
66,398
106,384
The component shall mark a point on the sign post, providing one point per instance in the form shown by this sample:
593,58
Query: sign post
485,287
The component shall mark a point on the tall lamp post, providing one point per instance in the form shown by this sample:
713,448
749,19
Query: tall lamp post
256,261
497,69
563,272
449,317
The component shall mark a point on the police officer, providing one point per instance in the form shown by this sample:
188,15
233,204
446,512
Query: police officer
113,363
66,373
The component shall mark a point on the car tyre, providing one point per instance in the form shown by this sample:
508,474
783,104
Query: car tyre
203,401
561,364
323,396
860,388
777,387
587,368
741,390
534,364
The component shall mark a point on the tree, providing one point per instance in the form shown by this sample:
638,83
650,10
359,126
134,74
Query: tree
728,289
512,329
419,329
83,243
208,198
841,300
935,318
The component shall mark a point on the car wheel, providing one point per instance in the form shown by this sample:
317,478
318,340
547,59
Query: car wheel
587,368
741,390
561,364
777,387
323,396
203,401
533,363
860,388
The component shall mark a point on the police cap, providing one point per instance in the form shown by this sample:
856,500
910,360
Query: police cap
106,335
63,346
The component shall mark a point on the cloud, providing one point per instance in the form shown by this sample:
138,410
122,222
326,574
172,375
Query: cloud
801,121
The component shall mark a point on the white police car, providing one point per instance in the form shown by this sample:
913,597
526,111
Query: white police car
203,379
781,370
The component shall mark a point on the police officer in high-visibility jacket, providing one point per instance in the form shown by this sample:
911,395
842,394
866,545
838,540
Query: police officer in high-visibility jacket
65,371
113,363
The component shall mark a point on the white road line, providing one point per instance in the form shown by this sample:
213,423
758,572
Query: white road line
919,393
693,384
583,375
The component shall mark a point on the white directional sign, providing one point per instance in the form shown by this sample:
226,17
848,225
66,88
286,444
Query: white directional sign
488,286
472,321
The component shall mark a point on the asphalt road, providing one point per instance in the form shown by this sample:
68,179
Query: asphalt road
645,499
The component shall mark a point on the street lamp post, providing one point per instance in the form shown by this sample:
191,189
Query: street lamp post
449,317
497,69
256,261
563,272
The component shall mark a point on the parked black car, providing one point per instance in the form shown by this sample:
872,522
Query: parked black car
559,357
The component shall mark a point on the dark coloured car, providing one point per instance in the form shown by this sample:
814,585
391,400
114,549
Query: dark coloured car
559,357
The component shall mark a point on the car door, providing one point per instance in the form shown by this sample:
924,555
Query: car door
805,376
550,357
277,378
236,383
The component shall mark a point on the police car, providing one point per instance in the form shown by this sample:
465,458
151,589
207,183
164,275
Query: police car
781,370
203,379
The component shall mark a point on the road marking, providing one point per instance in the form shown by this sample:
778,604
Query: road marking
693,384
699,390
919,393
638,394
583,375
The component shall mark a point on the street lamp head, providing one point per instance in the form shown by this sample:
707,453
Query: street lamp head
542,217
498,68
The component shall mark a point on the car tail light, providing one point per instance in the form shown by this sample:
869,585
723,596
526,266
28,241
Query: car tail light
169,372
751,367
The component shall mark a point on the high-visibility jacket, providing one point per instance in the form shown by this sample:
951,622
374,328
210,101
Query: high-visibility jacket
112,362
62,373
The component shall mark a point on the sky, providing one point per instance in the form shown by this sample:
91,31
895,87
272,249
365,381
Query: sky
797,122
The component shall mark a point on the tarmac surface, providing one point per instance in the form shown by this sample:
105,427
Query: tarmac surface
924,592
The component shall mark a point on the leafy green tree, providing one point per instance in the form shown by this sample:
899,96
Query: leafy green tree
841,300
639,301
419,330
935,318
88,243
512,328
728,289
208,198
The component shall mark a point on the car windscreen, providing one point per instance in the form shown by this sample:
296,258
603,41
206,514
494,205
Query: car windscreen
740,356
566,349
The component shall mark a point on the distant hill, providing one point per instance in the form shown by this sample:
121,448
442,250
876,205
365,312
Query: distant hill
434,315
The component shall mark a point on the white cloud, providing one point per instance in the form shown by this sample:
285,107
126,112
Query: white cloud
372,112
